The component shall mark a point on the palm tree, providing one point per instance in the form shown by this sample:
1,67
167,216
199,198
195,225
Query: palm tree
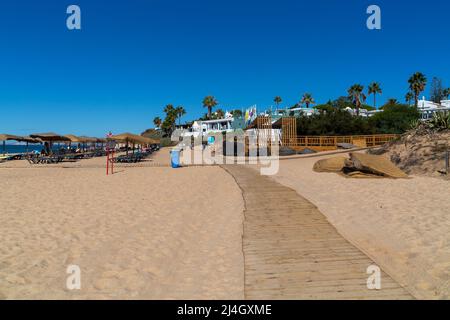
446,93
417,84
307,99
169,122
210,102
157,121
236,113
277,101
392,101
169,109
220,114
409,97
356,94
374,88
180,111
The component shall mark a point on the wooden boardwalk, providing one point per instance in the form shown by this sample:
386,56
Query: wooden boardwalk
291,251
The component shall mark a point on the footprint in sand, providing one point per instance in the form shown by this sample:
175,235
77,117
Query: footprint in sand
110,274
134,283
106,283
14,279
127,273
153,272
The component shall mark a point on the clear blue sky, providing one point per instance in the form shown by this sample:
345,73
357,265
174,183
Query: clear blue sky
133,57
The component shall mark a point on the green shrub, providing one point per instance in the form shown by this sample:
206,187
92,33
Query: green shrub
440,121
395,118
333,122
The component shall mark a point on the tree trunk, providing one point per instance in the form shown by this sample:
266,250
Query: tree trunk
209,113
374,100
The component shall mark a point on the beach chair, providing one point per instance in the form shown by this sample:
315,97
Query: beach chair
7,157
73,156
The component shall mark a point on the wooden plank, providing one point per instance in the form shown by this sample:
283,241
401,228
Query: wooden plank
291,251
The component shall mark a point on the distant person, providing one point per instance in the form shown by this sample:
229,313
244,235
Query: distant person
46,148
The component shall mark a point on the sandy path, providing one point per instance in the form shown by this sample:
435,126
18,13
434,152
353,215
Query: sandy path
144,233
403,225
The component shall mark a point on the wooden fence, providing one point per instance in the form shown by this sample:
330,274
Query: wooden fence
321,143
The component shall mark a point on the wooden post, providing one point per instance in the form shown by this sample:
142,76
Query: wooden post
447,162
289,131
107,161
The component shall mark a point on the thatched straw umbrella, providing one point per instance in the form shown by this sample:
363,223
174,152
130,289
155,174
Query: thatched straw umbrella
87,140
96,141
132,138
9,137
152,141
74,138
49,138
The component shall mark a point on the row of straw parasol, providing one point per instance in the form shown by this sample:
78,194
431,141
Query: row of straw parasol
10,137
54,137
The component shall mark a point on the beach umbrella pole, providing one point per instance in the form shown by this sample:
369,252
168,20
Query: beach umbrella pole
4,147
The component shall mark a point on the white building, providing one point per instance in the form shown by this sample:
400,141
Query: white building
363,112
304,111
428,108
213,126
206,127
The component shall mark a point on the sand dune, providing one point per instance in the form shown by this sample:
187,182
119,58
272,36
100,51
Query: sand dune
143,233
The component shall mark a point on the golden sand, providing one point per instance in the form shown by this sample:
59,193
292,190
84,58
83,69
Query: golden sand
152,232
143,233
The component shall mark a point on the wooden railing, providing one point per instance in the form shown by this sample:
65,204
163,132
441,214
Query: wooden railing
331,142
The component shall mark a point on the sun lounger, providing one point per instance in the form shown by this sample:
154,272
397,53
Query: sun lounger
73,156
8,157
37,159
131,158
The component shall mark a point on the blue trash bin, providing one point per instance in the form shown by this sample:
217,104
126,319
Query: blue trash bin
175,158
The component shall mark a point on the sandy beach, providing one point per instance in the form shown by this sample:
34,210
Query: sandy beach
403,225
143,233
153,232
